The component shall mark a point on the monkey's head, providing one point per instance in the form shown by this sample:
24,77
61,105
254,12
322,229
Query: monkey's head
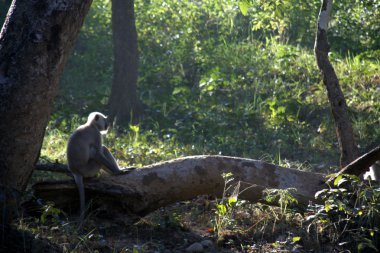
98,120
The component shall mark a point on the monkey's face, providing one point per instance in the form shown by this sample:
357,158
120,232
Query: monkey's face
106,125
100,121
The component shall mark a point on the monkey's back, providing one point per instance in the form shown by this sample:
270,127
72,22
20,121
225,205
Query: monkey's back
79,148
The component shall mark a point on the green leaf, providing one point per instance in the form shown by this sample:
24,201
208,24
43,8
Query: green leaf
296,239
134,128
342,181
243,5
327,207
232,200
319,193
227,175
281,109
179,90
222,210
337,179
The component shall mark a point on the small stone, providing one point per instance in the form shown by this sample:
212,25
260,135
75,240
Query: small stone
195,247
208,244
102,243
281,238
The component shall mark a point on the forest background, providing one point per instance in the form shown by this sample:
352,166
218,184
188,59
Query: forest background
216,81
223,77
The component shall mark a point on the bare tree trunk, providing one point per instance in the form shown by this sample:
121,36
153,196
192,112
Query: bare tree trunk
124,104
146,189
338,104
35,42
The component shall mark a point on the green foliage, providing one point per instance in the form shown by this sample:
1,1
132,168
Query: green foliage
355,26
283,197
50,214
350,213
224,214
86,82
234,216
288,20
213,85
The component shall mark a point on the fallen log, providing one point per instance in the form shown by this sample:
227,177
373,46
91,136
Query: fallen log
362,164
53,167
151,187
57,167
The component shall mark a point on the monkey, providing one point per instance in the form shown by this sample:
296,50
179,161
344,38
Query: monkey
374,172
86,154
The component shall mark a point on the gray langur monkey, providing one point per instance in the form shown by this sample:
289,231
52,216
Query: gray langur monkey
86,154
374,172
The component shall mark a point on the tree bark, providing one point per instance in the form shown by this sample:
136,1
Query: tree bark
339,108
124,104
35,42
149,188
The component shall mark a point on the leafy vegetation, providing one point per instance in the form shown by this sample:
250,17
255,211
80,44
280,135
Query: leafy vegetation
235,78
350,214
215,81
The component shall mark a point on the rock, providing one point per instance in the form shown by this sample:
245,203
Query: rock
281,238
195,247
208,244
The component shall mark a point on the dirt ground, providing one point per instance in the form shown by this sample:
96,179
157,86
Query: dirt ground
183,227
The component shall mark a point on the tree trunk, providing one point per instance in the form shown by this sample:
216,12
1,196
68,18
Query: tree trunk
124,104
35,42
146,189
339,108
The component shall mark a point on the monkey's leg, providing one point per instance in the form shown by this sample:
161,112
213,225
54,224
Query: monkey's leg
79,181
112,159
105,158
107,154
